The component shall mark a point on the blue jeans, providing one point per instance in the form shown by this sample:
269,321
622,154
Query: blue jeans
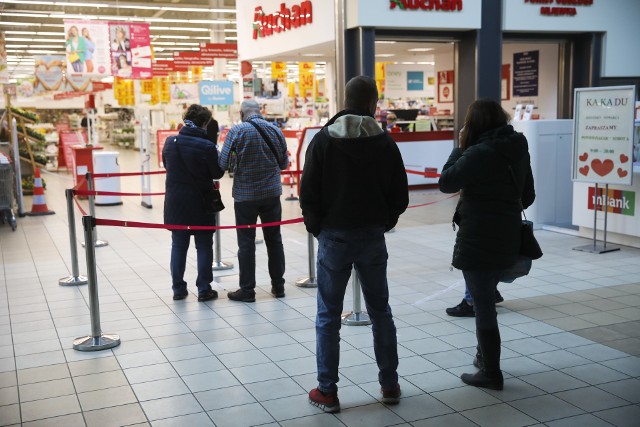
269,210
179,247
482,287
338,252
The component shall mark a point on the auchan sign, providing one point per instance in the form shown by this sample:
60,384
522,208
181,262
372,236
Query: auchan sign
281,20
443,5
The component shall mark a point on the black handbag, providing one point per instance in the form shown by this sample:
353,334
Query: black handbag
529,246
212,200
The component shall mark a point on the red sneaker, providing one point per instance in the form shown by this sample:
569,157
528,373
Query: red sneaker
328,402
391,396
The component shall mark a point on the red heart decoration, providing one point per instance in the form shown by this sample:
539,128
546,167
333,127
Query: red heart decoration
584,170
602,168
622,173
623,158
583,157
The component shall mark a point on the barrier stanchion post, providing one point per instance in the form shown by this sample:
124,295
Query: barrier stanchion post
145,163
75,278
92,211
97,340
356,317
18,171
218,264
292,195
309,282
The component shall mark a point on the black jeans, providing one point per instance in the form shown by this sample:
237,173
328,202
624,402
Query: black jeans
482,286
269,210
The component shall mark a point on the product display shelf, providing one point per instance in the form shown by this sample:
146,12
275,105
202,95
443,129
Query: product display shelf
36,154
443,122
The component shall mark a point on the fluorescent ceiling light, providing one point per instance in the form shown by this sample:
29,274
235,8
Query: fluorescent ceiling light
420,49
231,38
173,37
175,44
385,55
24,39
426,63
26,15
384,42
154,28
35,33
312,54
121,6
21,24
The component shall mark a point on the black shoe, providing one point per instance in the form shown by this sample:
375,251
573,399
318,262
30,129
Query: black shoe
484,379
178,297
461,310
208,295
242,296
277,291
498,297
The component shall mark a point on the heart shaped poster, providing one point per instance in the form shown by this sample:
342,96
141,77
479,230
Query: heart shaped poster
48,72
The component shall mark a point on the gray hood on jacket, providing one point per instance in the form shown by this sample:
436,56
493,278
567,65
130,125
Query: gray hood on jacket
354,126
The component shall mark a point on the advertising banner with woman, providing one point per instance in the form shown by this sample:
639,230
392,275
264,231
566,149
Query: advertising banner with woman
87,46
130,50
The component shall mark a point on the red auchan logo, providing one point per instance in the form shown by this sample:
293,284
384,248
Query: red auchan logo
282,20
444,5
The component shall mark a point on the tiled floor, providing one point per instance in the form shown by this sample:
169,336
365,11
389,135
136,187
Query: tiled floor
570,330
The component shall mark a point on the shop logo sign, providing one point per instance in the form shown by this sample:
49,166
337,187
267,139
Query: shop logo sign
617,201
415,80
218,92
444,5
282,20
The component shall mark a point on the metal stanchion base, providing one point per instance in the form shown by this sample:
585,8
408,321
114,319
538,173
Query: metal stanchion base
216,266
259,241
291,198
355,319
306,282
73,281
101,342
98,244
146,205
596,249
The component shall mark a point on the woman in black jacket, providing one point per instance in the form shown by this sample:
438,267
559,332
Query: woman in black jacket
191,161
489,219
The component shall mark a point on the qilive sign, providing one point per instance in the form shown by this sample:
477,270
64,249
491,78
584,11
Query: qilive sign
443,5
563,8
282,20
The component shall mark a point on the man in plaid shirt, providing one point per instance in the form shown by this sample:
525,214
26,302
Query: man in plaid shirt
260,154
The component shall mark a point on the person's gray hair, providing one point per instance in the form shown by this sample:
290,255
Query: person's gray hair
249,107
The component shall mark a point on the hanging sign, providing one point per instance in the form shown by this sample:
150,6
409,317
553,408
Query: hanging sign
307,75
87,47
219,50
185,93
49,73
4,71
603,135
219,92
279,70
130,50
445,86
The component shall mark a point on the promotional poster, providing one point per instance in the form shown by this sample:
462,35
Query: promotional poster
87,47
130,50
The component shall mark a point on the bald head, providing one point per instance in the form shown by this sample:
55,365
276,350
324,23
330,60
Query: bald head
361,93
249,107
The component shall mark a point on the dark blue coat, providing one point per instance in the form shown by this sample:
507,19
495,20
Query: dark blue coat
183,203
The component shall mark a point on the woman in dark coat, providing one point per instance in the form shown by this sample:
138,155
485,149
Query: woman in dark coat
191,161
489,219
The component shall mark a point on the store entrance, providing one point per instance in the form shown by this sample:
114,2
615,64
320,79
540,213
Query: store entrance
416,83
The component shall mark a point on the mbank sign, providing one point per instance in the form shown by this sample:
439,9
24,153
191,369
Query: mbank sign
218,92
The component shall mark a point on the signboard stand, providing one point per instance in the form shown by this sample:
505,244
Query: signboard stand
602,148
595,248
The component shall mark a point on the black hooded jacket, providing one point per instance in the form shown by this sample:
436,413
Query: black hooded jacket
353,176
488,213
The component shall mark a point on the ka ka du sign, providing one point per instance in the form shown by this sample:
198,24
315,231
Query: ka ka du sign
603,135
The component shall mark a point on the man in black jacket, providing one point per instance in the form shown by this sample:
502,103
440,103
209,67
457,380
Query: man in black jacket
354,188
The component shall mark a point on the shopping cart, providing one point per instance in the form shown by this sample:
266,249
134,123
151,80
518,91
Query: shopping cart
6,194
